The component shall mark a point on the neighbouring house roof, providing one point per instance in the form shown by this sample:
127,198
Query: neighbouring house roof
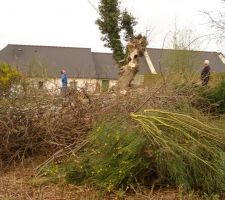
49,61
163,58
82,63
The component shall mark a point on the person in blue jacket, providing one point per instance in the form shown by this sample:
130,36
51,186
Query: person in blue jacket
64,79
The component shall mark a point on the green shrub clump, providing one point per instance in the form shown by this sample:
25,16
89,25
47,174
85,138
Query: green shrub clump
212,99
187,152
113,159
154,148
8,77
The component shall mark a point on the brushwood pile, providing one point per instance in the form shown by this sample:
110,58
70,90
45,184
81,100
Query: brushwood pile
150,137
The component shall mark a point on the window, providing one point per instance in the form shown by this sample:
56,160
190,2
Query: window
105,85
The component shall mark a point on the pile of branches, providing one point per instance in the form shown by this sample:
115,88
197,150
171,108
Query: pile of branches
39,123
42,124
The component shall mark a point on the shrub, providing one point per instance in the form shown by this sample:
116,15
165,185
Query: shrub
212,99
165,148
187,152
113,159
8,77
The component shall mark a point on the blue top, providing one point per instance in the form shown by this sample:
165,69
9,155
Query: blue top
64,80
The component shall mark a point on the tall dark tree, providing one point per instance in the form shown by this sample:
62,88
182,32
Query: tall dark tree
128,22
109,26
117,25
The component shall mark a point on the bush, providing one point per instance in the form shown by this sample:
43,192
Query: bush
212,99
187,152
113,159
8,77
165,148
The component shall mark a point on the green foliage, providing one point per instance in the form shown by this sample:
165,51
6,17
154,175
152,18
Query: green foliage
111,23
187,151
162,148
8,77
114,157
212,99
127,24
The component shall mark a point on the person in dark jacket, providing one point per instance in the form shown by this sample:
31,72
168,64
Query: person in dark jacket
205,74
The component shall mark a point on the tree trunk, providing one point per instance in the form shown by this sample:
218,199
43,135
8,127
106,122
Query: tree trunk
136,49
128,72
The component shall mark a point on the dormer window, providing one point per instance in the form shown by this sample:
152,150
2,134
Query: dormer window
19,49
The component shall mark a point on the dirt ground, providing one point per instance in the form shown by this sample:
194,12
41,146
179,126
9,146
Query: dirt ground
14,185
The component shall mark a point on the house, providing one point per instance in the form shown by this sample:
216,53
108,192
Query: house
96,70
44,63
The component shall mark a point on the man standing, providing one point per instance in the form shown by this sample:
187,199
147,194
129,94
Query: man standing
64,82
64,79
205,74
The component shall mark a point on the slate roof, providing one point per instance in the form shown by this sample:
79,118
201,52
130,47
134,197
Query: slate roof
196,59
106,67
82,63
48,60
161,60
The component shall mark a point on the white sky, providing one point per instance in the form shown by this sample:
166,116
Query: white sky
72,22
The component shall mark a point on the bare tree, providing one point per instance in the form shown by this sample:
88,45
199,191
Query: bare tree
217,23
182,60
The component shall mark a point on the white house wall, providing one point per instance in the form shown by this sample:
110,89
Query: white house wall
112,83
54,84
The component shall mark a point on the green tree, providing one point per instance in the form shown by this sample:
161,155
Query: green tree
117,27
111,23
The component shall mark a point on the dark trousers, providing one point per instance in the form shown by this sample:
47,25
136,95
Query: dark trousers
63,91
205,81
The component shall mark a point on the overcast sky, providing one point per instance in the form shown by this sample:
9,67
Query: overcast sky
72,22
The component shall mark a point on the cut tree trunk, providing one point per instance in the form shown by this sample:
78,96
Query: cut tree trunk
136,49
128,72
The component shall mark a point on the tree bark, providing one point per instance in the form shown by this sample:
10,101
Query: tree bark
135,49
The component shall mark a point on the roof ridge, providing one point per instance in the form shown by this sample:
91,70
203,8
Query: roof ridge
183,50
51,46
28,45
101,53
94,52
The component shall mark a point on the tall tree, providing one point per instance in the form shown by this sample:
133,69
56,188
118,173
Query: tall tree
117,27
